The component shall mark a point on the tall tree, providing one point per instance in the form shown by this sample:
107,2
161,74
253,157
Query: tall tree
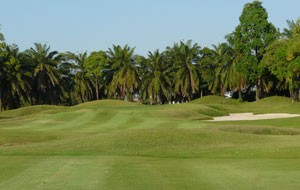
156,82
235,80
84,82
95,64
223,60
126,75
184,57
68,71
251,37
207,67
46,76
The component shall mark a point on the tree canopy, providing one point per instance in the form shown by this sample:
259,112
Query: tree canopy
251,37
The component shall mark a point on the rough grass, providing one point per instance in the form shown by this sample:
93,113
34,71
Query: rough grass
112,144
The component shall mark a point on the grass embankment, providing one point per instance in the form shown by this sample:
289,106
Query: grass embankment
120,145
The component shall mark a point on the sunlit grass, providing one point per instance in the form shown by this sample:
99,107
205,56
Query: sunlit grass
112,144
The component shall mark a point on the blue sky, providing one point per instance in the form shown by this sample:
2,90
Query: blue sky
92,25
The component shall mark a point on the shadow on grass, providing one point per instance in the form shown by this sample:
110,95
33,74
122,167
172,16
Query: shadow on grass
4,117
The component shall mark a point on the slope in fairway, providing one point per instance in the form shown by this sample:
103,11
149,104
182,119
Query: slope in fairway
120,145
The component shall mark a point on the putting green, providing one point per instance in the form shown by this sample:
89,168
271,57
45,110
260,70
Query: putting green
120,145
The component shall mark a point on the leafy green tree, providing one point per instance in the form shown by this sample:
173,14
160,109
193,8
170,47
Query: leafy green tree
251,37
126,75
13,80
184,57
156,82
283,60
95,64
46,76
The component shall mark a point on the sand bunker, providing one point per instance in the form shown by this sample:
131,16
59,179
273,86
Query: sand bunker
251,116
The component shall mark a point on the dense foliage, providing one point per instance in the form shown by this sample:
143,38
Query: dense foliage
255,61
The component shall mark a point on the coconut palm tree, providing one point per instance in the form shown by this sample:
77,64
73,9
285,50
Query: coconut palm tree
125,72
184,57
293,29
1,37
84,82
68,70
236,81
46,76
207,67
222,60
156,82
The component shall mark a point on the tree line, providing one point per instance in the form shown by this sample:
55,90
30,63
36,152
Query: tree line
255,61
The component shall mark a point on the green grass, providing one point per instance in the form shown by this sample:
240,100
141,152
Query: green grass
120,145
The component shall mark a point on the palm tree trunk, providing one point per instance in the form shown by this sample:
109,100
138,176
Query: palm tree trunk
240,93
192,82
257,88
158,98
125,98
70,98
124,93
222,90
81,97
97,89
32,100
292,96
201,93
0,102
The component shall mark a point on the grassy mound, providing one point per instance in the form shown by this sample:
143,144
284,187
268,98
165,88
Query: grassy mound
215,100
275,104
28,110
97,103
24,111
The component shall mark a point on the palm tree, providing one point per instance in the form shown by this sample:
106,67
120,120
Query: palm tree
236,80
67,70
219,68
156,81
84,83
222,61
184,57
207,67
46,76
293,28
227,73
1,36
125,72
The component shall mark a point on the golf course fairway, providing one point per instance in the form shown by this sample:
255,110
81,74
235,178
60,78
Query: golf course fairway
112,145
